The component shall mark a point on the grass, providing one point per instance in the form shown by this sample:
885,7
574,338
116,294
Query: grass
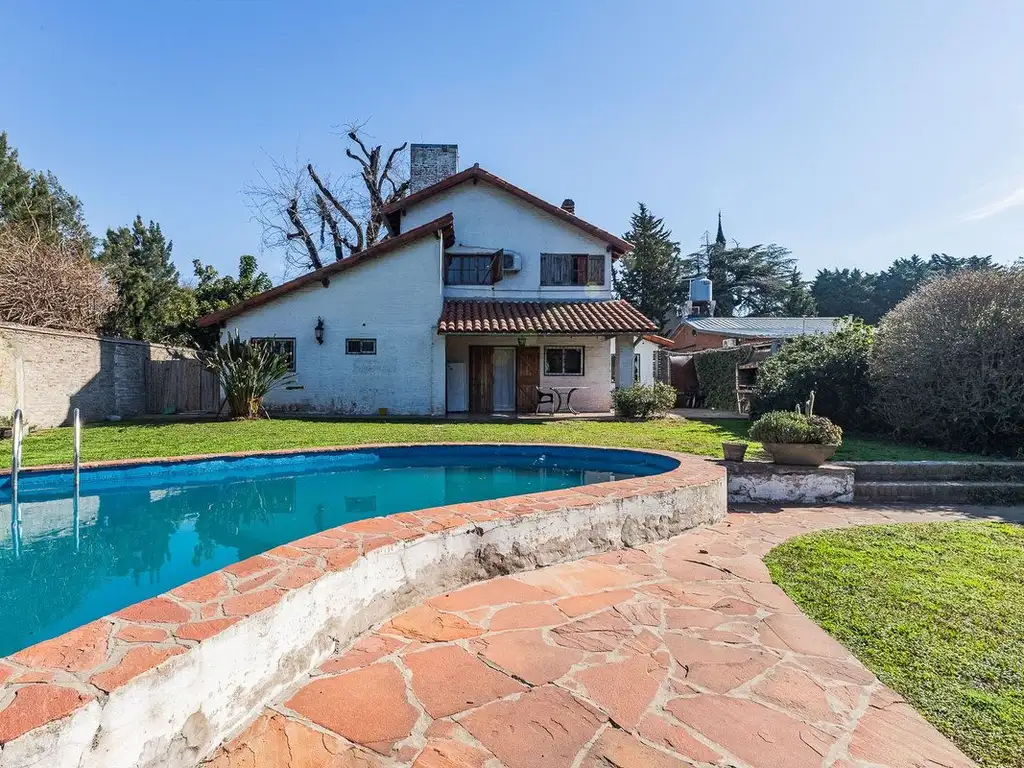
936,610
155,439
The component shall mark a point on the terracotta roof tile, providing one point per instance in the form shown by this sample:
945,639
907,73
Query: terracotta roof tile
542,317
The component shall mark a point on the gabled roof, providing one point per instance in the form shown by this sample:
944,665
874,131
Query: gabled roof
393,212
538,317
445,225
761,327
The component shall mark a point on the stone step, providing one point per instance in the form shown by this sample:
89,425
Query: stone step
981,471
941,491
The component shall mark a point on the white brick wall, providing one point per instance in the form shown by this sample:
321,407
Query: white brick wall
397,301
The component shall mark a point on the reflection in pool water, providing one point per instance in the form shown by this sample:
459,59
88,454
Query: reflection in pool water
143,530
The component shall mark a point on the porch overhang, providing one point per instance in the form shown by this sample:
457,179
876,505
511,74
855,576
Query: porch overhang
516,318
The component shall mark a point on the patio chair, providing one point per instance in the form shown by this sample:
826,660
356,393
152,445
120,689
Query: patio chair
545,398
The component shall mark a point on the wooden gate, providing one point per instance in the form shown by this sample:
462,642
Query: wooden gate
527,378
184,385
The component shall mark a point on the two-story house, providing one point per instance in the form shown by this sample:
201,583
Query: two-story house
481,293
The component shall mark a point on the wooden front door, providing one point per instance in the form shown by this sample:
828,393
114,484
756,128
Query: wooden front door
527,378
481,379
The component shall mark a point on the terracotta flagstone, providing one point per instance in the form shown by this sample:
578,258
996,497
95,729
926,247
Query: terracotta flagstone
676,654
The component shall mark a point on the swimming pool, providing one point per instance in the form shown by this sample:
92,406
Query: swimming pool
137,531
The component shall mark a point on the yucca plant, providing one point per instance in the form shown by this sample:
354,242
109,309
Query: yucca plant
247,373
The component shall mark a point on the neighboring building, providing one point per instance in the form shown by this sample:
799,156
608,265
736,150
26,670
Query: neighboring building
696,333
650,359
482,293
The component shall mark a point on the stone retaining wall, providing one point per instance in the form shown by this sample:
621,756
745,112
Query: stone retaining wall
763,482
165,681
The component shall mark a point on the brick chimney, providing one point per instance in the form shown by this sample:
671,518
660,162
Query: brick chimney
569,205
430,163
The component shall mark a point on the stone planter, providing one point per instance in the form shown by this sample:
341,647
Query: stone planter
734,451
800,454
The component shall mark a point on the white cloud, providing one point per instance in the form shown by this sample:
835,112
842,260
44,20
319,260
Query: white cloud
1013,200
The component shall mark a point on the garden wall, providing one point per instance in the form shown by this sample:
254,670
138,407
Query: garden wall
48,373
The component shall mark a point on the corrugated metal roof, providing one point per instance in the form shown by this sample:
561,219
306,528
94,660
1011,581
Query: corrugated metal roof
761,327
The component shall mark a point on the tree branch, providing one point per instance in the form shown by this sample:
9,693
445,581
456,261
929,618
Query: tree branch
302,233
341,209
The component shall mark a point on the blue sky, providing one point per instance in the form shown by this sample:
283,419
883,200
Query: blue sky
852,133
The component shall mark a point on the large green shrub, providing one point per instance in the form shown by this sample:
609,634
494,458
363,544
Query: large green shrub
641,401
834,365
716,375
948,363
247,372
793,427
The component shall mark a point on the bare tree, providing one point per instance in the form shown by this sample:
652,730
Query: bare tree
301,209
51,283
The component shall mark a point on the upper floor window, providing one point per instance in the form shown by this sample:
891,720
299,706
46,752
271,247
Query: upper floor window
473,269
284,347
571,269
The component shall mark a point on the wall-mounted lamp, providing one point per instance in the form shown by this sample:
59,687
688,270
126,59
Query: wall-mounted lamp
319,330
522,341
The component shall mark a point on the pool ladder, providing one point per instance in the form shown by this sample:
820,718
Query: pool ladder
17,437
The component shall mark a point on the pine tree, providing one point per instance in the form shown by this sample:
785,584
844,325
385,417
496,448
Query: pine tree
651,277
151,305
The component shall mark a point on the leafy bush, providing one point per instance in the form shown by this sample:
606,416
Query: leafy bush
641,401
948,363
833,365
716,375
793,427
247,373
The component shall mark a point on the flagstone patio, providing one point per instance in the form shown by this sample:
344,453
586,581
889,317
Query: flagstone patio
679,653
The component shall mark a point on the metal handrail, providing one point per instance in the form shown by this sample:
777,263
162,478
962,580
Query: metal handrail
78,448
17,427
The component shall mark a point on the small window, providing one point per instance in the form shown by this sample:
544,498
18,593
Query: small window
571,269
563,361
284,347
360,346
636,369
728,342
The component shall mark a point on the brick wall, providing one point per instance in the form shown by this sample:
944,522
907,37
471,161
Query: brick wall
48,373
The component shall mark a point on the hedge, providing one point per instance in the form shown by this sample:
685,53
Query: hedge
716,375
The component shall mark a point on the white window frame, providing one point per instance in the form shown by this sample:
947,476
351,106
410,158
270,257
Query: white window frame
363,349
562,348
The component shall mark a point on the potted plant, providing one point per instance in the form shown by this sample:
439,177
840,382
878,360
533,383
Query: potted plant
734,451
790,437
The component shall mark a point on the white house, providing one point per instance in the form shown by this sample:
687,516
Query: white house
482,293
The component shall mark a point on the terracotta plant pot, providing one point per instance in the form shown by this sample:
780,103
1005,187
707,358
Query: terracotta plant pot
801,454
734,451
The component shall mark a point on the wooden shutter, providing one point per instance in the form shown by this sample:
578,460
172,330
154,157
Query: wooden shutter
497,266
595,270
581,271
481,379
527,378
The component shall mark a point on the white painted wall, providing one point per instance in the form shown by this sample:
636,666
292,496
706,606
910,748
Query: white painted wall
487,217
395,299
646,349
597,369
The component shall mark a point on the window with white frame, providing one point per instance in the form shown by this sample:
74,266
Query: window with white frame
360,346
636,369
280,346
563,361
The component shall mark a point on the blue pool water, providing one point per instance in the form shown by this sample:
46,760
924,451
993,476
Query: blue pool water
145,529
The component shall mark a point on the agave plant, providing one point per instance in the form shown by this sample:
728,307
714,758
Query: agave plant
247,372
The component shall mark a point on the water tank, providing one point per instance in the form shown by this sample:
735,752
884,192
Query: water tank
700,289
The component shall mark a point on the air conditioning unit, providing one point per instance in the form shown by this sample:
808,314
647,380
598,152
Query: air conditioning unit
511,262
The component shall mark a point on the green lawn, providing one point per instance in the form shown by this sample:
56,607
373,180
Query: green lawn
935,610
150,439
